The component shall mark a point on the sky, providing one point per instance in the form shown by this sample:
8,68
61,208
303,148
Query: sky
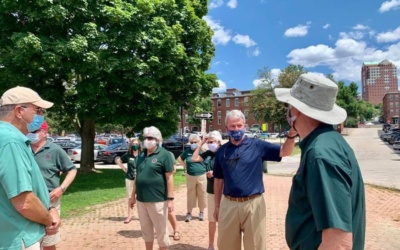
327,37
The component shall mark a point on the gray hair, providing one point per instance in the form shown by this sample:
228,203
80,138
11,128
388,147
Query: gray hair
216,135
6,110
194,136
153,132
235,113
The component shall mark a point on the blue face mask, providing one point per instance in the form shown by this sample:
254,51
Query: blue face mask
193,146
36,123
236,135
33,137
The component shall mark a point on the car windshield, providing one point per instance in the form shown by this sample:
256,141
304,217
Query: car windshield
114,146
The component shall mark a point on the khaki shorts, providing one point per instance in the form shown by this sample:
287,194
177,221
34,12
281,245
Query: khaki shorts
153,217
51,240
129,187
210,207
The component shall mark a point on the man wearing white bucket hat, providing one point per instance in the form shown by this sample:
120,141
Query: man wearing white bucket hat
327,198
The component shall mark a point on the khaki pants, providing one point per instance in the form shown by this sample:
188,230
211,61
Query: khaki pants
52,240
153,217
237,217
196,191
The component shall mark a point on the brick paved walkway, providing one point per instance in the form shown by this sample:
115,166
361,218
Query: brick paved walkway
103,227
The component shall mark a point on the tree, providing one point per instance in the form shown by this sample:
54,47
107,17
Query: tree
263,103
132,63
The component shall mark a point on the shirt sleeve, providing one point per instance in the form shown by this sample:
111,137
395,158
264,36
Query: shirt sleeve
270,151
64,162
217,171
168,162
329,193
15,173
184,155
125,157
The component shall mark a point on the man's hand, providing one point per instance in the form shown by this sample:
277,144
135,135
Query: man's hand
56,194
216,212
209,174
53,229
132,201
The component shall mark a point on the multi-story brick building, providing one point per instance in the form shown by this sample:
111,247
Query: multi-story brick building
391,107
222,104
378,78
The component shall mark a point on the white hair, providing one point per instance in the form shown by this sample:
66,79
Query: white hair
194,136
152,132
216,135
235,113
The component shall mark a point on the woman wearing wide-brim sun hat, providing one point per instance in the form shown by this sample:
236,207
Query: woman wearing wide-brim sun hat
327,198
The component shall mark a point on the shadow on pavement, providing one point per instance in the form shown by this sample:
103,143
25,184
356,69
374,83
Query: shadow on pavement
186,246
130,233
118,218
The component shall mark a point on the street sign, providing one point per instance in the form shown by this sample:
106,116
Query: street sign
207,115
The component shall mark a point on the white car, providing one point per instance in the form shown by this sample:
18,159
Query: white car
396,145
75,153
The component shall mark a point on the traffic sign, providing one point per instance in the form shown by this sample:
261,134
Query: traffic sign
207,115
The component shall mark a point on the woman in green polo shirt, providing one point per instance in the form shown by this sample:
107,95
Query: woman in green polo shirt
134,150
196,180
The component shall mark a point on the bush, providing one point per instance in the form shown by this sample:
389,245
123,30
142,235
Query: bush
351,122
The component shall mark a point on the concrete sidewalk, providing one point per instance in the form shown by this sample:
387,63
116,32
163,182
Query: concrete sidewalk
103,228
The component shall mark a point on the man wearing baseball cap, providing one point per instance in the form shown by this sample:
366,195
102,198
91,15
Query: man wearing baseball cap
327,198
26,215
52,161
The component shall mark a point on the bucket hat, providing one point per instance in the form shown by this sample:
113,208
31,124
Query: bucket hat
314,96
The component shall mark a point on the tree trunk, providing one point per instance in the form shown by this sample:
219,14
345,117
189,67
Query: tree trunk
87,154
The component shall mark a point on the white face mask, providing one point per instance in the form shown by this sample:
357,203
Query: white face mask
213,147
33,137
193,146
149,143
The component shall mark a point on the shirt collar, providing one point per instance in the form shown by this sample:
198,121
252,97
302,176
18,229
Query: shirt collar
322,128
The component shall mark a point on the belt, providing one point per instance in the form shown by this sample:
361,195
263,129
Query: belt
242,199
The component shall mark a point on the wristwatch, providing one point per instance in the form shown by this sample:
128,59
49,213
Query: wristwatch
170,198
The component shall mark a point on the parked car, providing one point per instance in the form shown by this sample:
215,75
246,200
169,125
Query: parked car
250,134
396,145
66,145
386,127
176,147
273,135
117,140
110,153
63,139
75,153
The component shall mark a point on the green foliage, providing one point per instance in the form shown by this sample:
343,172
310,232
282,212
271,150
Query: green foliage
351,122
132,63
263,103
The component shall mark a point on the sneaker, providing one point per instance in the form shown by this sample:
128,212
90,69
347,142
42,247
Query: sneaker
201,216
188,217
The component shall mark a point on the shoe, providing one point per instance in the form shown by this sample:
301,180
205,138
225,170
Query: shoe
201,216
188,217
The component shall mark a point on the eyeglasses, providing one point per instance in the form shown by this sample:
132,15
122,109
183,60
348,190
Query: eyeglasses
38,110
232,161
194,142
149,138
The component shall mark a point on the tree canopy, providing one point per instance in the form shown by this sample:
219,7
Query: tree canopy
123,62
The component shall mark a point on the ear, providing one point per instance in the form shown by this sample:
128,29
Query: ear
294,111
18,111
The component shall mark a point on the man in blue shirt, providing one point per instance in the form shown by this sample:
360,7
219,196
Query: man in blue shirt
26,215
238,185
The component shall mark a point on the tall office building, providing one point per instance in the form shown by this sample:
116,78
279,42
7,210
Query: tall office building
378,78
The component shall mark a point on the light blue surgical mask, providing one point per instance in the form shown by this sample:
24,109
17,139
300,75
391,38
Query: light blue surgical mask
33,137
35,124
193,146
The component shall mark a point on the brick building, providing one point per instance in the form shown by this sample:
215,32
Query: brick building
378,78
391,107
224,102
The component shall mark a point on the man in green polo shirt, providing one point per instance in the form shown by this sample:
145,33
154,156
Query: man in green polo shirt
53,161
26,215
154,189
327,198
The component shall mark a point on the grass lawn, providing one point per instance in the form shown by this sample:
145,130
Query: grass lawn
97,188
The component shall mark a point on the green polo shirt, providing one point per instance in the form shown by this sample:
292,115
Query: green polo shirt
151,183
208,161
131,163
192,168
52,159
19,173
327,192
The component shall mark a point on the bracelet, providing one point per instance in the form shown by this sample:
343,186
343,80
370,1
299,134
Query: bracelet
63,189
291,137
170,198
51,207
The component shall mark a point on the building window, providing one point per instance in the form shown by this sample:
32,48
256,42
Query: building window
219,114
219,121
246,101
228,102
219,103
210,128
236,102
246,114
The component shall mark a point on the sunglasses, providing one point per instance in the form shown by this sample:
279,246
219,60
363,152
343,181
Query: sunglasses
194,142
149,138
38,110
